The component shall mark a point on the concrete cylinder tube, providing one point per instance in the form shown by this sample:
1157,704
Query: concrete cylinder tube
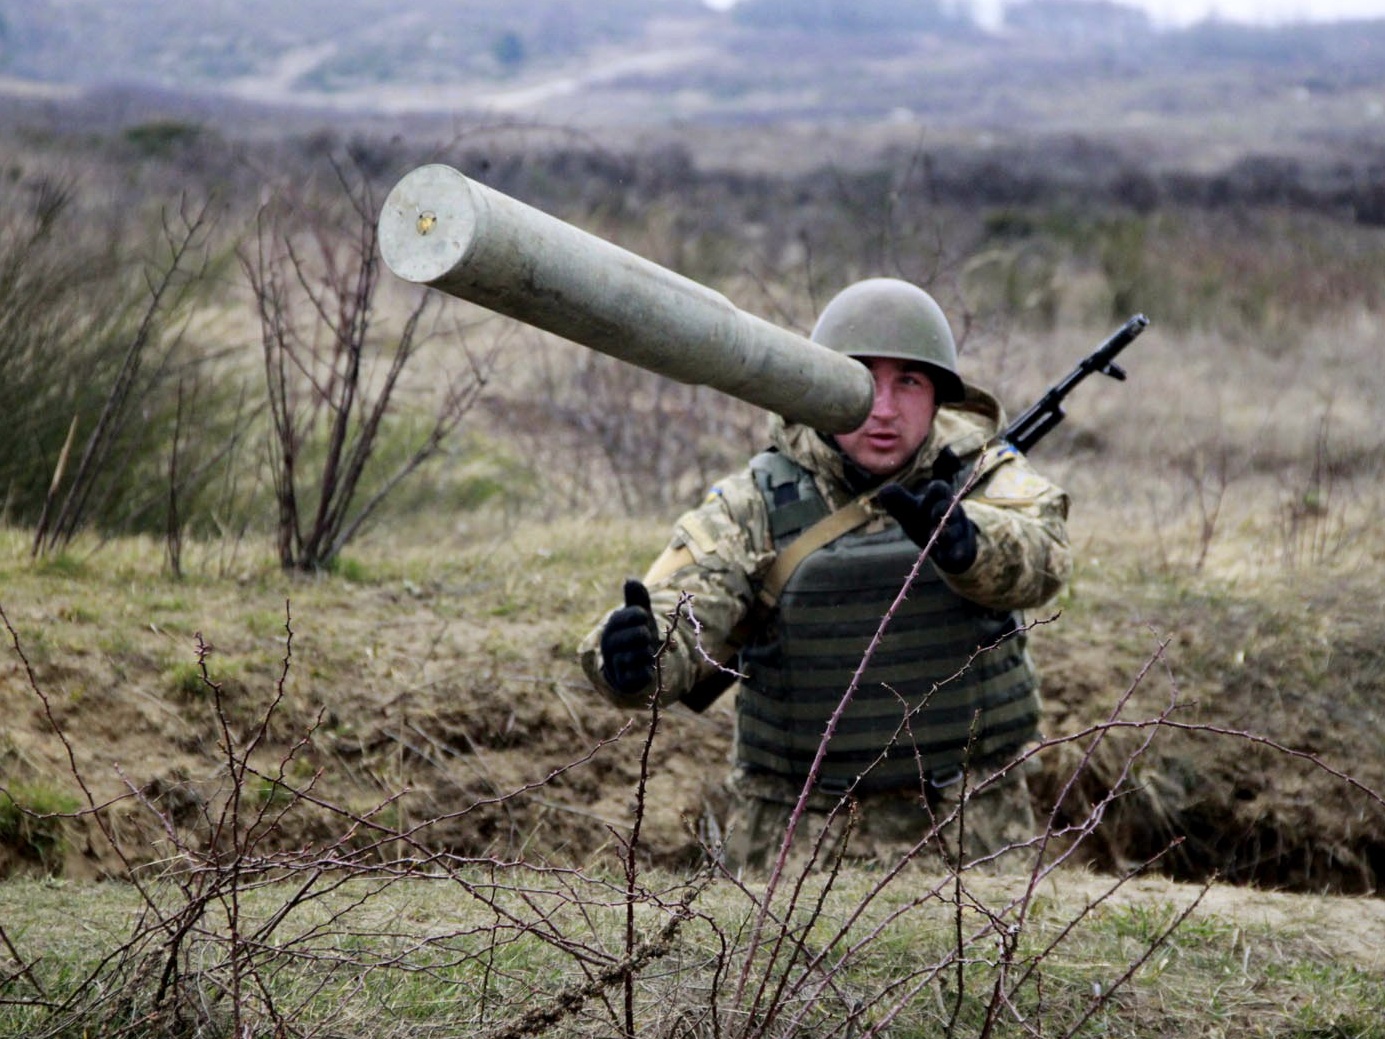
441,229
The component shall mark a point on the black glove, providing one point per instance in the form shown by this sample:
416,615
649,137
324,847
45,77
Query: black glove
628,642
919,514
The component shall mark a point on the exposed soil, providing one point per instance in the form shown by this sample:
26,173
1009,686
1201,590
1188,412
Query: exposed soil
463,705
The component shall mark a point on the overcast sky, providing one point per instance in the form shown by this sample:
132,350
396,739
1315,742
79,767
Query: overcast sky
1182,12
1185,12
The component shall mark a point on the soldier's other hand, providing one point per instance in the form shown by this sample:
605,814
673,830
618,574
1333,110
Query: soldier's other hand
954,550
629,641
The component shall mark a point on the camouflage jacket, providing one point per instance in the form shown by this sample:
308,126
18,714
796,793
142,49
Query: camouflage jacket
721,550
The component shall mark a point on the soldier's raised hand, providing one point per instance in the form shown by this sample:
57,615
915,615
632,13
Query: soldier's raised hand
954,550
629,641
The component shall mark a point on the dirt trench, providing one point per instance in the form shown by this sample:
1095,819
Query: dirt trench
1257,769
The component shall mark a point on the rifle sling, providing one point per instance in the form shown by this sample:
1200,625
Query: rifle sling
826,530
823,532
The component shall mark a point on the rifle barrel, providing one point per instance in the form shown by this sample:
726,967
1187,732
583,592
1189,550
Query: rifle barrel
1040,417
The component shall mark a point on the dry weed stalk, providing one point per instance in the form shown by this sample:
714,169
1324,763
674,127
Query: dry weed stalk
71,501
1312,530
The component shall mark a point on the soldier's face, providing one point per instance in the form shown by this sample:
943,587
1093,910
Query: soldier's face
899,421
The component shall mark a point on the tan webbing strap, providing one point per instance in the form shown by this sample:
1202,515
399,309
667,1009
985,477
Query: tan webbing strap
670,561
828,529
824,531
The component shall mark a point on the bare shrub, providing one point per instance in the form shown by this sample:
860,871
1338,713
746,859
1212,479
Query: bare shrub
332,379
104,467
92,347
597,432
1209,470
1313,528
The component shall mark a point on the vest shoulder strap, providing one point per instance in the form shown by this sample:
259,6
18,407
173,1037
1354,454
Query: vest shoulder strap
826,530
800,522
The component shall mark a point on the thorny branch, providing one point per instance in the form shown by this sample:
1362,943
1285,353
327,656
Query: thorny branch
200,955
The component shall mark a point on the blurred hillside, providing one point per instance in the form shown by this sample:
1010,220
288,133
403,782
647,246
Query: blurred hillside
884,68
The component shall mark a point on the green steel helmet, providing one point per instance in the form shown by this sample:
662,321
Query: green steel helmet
886,317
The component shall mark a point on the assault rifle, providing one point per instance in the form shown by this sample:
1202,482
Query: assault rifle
1047,412
1024,432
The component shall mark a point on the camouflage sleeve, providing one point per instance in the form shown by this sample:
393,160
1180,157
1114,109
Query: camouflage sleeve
1023,557
700,586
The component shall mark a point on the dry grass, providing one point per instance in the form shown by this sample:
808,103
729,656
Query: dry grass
438,661
406,959
1224,519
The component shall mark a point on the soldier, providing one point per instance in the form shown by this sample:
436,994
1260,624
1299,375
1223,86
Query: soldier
790,566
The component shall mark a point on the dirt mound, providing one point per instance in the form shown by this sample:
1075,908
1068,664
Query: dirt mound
1250,737
1221,729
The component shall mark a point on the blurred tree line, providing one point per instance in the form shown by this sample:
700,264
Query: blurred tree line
196,339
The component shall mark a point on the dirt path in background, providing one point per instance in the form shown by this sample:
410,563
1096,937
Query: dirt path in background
527,95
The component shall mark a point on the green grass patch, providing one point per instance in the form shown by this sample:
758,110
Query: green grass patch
32,823
185,680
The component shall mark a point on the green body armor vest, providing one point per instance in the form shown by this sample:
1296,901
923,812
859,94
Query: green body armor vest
934,694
